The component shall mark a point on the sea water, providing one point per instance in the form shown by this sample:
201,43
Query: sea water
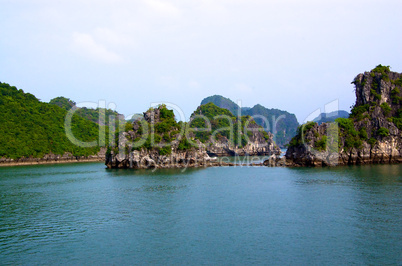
86,214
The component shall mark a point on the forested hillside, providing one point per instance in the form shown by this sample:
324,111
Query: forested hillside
87,113
30,128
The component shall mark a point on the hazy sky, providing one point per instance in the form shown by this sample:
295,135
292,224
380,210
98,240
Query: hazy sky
292,55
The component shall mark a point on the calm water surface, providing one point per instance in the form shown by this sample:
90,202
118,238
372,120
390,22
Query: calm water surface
86,214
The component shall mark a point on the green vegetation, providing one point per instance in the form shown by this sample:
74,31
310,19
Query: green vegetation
220,119
353,131
347,125
348,132
165,150
383,70
363,133
372,141
184,144
301,131
398,82
164,131
222,124
87,113
374,92
398,122
357,112
321,144
385,108
284,123
396,99
383,132
30,128
62,102
222,102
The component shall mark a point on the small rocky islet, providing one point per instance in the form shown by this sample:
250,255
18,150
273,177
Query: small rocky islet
371,135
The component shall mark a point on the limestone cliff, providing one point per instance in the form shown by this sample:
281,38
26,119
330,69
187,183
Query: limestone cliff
158,141
372,134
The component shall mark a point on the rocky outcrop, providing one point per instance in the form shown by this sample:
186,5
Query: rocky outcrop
145,159
372,134
164,146
257,145
168,144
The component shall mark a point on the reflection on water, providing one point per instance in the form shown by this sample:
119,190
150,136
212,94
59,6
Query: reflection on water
84,213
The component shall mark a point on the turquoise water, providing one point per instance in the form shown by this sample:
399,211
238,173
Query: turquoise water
86,214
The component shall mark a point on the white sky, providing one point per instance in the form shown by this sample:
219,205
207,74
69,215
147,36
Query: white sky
292,55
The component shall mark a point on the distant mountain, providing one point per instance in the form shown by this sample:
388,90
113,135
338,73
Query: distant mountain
330,117
87,113
252,141
222,102
280,123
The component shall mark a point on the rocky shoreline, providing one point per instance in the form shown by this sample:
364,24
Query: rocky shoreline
54,159
40,162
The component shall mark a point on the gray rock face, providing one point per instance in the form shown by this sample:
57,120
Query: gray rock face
124,156
198,155
145,159
257,145
371,136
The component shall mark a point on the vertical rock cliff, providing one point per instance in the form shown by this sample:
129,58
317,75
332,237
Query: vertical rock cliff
372,134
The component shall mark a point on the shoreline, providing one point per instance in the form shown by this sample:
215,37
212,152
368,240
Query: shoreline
48,162
268,163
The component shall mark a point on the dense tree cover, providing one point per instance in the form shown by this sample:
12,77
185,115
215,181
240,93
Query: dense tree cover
281,123
63,102
30,128
87,113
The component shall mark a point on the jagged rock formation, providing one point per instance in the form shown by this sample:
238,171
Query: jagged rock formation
145,159
372,134
158,141
258,145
